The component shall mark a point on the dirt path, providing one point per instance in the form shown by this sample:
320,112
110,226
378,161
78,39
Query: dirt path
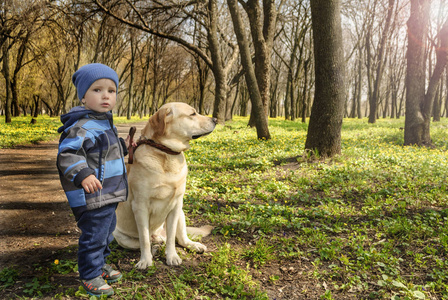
35,218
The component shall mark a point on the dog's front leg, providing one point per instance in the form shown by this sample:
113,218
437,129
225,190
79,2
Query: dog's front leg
172,259
182,237
142,220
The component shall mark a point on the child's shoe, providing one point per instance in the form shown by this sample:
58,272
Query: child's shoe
110,275
97,287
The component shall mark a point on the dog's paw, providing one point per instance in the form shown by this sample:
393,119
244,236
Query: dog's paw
197,247
173,260
158,239
143,264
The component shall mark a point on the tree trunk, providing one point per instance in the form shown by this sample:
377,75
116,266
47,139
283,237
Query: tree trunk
131,82
35,112
442,59
418,104
415,79
203,72
304,91
262,21
219,108
244,100
287,103
324,131
354,98
379,70
394,97
274,96
292,99
235,99
14,80
14,99
7,81
445,107
368,69
358,96
155,76
436,109
260,117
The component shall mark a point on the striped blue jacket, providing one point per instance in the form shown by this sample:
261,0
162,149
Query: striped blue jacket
89,144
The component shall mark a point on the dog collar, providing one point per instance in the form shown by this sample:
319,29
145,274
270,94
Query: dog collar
151,143
143,140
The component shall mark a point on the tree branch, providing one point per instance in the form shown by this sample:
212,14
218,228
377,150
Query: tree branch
144,27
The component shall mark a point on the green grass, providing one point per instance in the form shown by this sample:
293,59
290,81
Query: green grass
371,223
20,131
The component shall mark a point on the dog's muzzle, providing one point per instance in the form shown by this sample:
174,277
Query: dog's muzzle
215,121
201,135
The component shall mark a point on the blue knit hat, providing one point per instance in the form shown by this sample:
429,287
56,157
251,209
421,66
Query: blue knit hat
88,74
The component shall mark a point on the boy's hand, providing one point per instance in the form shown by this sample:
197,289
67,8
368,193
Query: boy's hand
91,184
128,142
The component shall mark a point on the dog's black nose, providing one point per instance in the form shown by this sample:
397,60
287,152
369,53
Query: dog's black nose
215,120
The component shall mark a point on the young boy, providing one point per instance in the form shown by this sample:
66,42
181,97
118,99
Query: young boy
93,173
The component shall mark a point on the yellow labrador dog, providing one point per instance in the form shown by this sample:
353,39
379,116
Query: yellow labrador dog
157,181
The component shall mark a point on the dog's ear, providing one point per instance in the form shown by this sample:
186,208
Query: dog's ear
159,119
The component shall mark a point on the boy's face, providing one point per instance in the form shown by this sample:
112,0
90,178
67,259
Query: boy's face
101,96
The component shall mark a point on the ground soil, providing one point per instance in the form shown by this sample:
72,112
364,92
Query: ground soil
37,227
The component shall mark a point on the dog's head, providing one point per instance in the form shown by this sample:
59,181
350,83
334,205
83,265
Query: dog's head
175,124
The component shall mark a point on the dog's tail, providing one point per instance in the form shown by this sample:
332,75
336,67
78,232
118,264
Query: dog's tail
199,231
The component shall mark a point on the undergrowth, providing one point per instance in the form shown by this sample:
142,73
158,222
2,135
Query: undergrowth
20,131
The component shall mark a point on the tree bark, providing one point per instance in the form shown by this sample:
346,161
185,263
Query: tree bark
260,117
415,79
7,81
437,101
418,103
324,131
219,108
274,95
442,58
379,70
131,70
15,76
262,22
305,88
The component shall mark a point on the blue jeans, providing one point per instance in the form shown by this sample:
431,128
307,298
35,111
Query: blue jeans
96,234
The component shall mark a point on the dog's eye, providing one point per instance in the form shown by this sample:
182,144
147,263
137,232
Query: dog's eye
193,114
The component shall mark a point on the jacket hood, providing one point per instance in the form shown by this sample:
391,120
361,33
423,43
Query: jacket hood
77,113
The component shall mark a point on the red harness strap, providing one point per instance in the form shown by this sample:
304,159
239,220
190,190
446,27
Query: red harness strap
131,149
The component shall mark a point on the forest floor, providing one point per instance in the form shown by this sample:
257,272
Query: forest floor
371,224
37,226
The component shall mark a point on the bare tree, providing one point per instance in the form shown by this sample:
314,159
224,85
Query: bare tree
262,22
21,22
202,74
380,64
418,103
294,37
183,11
8,24
258,111
5,72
